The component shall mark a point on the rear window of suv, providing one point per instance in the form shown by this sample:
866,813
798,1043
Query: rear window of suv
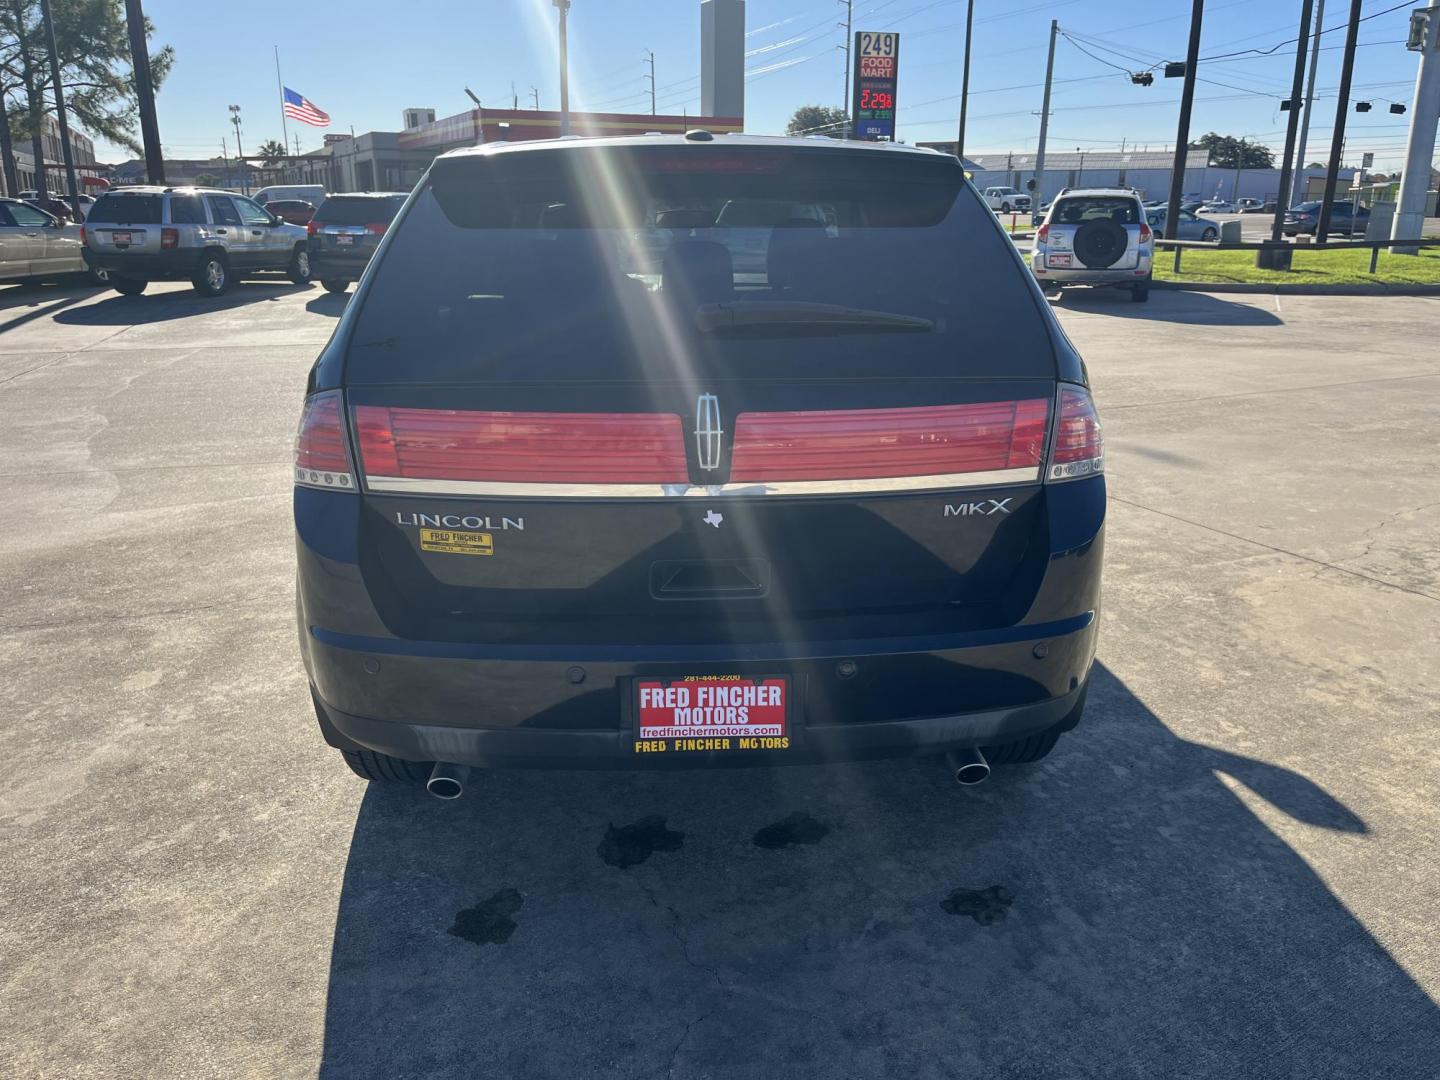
620,262
118,209
356,210
1081,208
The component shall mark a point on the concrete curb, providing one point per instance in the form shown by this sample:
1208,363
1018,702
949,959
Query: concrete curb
1285,289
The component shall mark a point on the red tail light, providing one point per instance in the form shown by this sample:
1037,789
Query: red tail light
312,227
867,443
169,238
399,445
1079,446
377,227
1144,233
82,235
322,459
1043,234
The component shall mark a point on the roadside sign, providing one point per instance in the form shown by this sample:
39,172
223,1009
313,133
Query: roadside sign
1366,160
877,68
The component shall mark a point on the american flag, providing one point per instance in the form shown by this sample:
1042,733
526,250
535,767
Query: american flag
300,108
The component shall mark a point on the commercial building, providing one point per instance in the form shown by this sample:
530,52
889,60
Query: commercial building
82,151
1148,171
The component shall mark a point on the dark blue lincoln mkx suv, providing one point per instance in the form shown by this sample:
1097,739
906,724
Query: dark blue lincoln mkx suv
696,450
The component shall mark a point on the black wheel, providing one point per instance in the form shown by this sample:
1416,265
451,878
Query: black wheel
127,286
213,277
335,285
1024,751
1099,243
1210,234
1140,293
299,269
373,765
1004,208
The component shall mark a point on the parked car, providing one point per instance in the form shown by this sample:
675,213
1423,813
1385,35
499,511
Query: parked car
1249,206
210,237
1344,218
314,194
1006,199
1095,236
295,211
345,231
1191,227
552,512
34,244
1216,206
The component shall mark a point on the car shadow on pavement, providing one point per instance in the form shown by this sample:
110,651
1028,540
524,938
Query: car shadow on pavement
119,310
1117,910
1175,306
328,303
38,302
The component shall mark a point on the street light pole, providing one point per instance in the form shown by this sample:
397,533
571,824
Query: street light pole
1038,195
1410,206
1296,195
239,150
1286,162
1182,134
965,82
1337,137
564,8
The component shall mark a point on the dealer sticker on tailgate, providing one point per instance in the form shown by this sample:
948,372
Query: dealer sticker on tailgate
712,713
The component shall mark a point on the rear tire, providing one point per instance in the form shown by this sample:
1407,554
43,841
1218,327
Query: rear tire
373,765
1210,234
1140,293
335,285
1004,208
127,286
299,270
213,277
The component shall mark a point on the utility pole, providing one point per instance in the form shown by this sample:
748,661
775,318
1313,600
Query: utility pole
239,149
845,102
536,91
564,8
514,97
1424,114
1286,162
225,160
1295,193
1182,132
652,81
1038,195
65,151
144,92
1337,137
965,82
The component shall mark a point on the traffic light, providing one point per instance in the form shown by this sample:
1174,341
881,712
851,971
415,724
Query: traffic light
1174,71
1142,78
1362,106
1397,108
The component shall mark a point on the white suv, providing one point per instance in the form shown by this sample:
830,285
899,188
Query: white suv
1006,199
1095,236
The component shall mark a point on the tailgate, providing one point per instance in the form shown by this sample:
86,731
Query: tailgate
695,513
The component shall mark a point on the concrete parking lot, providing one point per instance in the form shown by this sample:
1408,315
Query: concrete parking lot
1230,868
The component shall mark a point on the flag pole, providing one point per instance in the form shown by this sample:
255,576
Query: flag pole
280,85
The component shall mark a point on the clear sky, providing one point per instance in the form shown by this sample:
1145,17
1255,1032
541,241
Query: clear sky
364,61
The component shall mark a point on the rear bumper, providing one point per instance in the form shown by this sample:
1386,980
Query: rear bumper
330,265
1135,275
177,263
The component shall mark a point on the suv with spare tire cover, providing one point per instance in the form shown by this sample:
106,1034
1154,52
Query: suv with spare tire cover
578,487
1095,236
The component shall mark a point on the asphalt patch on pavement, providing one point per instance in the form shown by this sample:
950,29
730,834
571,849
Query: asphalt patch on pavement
632,844
489,922
798,828
985,906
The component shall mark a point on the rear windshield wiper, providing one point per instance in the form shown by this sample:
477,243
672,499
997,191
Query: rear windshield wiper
743,315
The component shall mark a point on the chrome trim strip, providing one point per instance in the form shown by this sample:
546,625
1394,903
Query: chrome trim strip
398,485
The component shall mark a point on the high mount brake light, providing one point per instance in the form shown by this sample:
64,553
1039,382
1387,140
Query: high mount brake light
1079,448
322,459
859,444
517,447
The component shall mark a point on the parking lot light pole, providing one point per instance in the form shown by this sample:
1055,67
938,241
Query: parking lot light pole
1424,112
1037,197
564,8
1337,137
1269,259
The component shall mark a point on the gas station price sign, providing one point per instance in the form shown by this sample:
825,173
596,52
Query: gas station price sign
877,68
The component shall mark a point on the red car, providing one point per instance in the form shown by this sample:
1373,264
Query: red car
295,211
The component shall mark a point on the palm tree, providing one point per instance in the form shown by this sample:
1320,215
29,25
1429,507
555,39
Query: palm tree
272,152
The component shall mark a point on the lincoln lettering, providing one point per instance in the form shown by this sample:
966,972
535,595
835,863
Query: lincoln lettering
456,521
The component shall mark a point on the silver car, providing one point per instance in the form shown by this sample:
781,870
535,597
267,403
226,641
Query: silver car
1095,236
206,236
34,244
1191,227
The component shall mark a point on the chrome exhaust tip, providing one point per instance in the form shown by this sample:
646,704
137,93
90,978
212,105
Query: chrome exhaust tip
447,781
970,766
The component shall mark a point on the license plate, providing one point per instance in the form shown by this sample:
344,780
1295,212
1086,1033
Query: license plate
344,239
121,239
1058,260
712,713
